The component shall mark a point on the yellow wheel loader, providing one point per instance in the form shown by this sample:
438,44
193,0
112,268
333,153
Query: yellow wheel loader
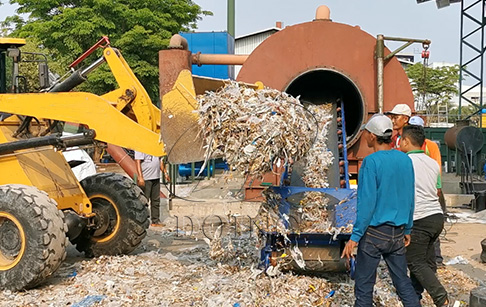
42,204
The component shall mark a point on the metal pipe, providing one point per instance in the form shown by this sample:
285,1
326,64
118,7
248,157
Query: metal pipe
380,52
392,54
76,78
178,42
69,83
92,67
123,159
218,59
55,140
231,18
381,59
403,39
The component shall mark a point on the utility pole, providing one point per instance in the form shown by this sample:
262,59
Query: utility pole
231,18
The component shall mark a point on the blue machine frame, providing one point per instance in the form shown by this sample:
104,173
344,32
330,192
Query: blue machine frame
344,213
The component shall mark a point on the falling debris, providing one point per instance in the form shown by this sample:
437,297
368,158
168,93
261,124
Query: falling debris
319,158
252,130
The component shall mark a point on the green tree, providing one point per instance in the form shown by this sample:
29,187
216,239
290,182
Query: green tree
440,85
139,28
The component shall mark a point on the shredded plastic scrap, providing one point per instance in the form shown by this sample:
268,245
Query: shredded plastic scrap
189,277
253,129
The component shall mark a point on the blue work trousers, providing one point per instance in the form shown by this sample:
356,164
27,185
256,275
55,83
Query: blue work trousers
382,241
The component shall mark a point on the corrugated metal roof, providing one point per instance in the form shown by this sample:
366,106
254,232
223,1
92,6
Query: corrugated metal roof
249,43
272,29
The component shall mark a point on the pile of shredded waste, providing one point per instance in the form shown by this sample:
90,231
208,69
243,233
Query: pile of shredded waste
310,215
182,274
319,158
252,129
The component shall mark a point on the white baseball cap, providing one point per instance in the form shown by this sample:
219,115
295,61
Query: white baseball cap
417,121
379,125
401,109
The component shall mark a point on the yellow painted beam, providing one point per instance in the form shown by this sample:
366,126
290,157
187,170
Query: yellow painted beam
110,125
12,41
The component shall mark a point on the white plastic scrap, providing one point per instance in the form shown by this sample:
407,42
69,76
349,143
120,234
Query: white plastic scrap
252,129
457,260
297,256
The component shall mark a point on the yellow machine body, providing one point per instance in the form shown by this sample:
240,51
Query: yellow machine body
125,117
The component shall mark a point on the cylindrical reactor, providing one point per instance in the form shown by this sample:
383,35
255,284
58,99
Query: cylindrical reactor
323,61
466,139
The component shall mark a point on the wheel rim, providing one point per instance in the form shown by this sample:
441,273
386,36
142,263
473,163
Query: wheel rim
12,241
107,218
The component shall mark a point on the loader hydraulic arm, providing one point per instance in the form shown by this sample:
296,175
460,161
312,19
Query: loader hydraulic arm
125,116
111,126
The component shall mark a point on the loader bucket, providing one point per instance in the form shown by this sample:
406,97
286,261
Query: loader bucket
179,126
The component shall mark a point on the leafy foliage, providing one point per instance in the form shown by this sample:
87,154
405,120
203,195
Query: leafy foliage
139,28
29,66
440,83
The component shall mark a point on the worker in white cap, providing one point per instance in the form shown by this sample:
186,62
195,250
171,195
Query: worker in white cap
384,215
400,115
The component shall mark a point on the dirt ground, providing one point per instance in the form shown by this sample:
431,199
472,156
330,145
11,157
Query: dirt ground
465,240
169,269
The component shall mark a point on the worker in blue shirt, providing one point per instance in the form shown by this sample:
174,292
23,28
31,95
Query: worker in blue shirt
384,215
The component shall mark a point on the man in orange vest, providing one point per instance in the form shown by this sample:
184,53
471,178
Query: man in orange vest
430,147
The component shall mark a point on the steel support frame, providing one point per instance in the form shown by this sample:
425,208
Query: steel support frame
381,61
478,49
3,71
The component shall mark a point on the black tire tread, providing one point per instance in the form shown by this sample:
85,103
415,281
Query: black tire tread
133,208
45,232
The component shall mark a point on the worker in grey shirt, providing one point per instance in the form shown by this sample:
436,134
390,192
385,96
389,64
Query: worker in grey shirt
148,172
428,217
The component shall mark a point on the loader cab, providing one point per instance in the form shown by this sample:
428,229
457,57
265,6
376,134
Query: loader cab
9,60
13,79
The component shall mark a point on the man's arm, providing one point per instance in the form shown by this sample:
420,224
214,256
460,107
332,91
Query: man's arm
440,194
138,163
164,170
366,199
408,227
434,153
365,207
140,180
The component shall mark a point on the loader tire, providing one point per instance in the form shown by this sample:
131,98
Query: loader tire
122,216
32,237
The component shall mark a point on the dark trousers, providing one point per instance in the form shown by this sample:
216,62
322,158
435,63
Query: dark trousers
421,258
152,192
438,254
382,241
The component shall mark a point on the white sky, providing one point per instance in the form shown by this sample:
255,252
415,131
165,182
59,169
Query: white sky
404,18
